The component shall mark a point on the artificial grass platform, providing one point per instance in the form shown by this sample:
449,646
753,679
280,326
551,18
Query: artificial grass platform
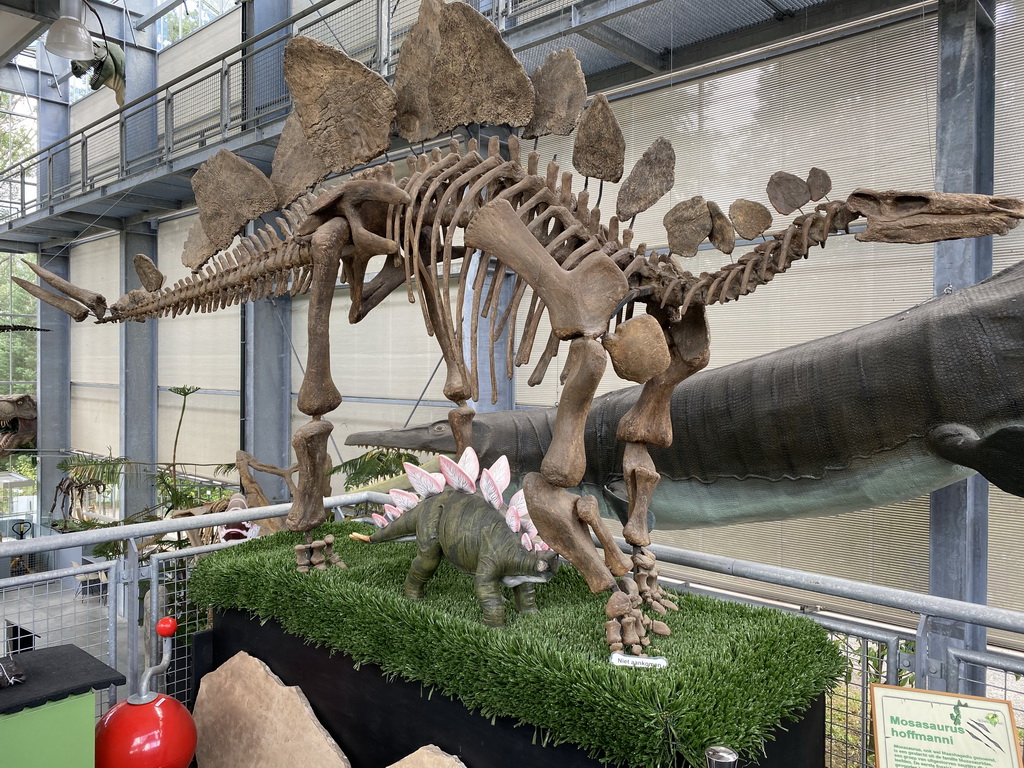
735,672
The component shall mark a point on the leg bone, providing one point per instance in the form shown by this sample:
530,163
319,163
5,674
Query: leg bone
310,444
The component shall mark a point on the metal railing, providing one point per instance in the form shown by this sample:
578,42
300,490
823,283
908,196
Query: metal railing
107,618
104,615
239,91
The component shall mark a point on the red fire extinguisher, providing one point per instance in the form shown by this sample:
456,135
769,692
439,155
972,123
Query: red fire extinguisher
149,729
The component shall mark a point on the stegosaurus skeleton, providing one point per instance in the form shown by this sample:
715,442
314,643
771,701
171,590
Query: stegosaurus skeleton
582,272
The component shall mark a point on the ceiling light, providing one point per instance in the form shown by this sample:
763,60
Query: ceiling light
68,36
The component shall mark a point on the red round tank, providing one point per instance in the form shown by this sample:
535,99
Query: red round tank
159,734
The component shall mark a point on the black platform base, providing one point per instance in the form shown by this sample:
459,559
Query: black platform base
377,721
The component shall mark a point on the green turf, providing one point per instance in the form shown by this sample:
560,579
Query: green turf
735,672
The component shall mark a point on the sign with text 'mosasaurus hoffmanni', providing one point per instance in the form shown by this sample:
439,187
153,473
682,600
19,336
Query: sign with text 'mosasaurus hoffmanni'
928,729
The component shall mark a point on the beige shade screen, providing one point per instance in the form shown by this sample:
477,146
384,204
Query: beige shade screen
197,350
95,362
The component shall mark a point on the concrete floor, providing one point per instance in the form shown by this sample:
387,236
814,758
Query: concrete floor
55,613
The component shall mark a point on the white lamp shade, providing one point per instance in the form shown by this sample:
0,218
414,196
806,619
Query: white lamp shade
69,38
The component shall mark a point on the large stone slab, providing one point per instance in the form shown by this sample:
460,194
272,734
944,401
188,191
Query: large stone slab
651,178
198,249
476,78
346,110
560,93
600,148
687,224
247,718
230,192
415,121
429,757
296,166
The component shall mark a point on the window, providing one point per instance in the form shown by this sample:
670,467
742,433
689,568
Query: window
187,18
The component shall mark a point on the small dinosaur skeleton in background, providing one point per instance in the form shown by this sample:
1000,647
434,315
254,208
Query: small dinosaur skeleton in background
586,275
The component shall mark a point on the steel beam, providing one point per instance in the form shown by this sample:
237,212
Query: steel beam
31,33
160,10
53,125
625,47
41,10
264,92
559,24
15,245
150,202
106,222
27,81
965,129
813,26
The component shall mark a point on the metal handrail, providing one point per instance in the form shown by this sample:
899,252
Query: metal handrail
157,527
928,605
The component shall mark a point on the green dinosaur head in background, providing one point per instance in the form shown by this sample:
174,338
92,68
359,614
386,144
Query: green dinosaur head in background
107,65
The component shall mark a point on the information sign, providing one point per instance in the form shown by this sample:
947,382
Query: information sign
929,729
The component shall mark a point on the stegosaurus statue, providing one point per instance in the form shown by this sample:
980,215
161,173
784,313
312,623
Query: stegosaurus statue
471,531
587,275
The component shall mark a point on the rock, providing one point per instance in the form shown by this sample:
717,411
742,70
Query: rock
560,93
245,717
346,110
600,148
230,192
296,166
475,77
429,757
651,178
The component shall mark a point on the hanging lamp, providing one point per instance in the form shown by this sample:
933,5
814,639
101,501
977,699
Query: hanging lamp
68,36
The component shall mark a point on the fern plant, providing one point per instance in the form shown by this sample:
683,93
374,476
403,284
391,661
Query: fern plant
374,465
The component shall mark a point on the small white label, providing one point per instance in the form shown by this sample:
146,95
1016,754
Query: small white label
647,662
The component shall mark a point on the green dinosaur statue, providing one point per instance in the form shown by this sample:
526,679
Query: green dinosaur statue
474,538
108,68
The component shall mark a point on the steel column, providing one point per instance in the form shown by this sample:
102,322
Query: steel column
505,387
54,124
53,391
264,93
266,388
138,379
140,125
964,163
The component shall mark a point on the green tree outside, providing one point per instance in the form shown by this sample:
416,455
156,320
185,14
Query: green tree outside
18,140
